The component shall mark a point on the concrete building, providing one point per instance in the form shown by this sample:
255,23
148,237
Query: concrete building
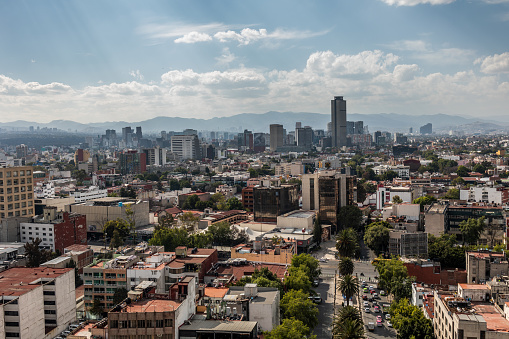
408,244
81,155
484,265
57,230
9,228
297,219
132,162
385,194
258,252
186,146
269,202
103,278
191,262
93,192
293,169
276,137
490,195
155,156
304,137
16,192
402,171
338,122
36,303
158,316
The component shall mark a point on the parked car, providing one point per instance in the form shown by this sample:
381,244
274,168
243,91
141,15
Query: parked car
371,326
387,316
316,282
364,297
389,324
367,310
379,321
366,304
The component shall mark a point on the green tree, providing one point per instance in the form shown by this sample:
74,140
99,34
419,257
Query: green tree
393,277
346,266
119,295
445,250
97,308
397,200
376,236
234,204
174,185
462,171
290,329
347,243
170,238
35,256
388,176
459,181
116,240
307,263
424,201
188,220
349,329
190,203
453,193
349,287
471,230
317,231
224,234
409,321
350,216
298,280
296,304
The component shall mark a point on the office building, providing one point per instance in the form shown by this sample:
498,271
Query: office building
269,202
186,146
81,155
304,137
132,162
276,137
139,133
155,156
259,142
21,151
338,122
16,192
426,129
245,140
36,303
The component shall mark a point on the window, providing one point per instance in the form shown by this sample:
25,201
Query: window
132,324
11,335
122,324
114,324
141,323
49,302
50,312
168,322
159,323
149,323
11,313
12,323
50,321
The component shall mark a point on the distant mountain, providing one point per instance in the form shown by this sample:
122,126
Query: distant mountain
260,123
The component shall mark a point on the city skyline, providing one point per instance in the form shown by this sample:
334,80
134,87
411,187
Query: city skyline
92,62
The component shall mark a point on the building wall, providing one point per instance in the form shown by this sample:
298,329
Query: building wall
10,228
72,230
31,314
45,232
187,308
16,192
266,314
65,298
284,258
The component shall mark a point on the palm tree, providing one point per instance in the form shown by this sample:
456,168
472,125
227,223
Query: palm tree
349,329
349,286
346,266
347,312
347,242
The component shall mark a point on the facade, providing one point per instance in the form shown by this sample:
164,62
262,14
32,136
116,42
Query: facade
402,171
81,155
491,195
92,193
281,254
276,137
57,230
331,188
408,244
289,169
269,202
186,146
36,303
484,265
16,192
132,162
304,137
385,194
155,156
338,122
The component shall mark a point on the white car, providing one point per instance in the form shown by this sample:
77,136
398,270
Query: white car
387,316
366,304
389,324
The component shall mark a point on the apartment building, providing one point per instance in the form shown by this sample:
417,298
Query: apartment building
103,278
186,146
16,192
493,195
408,244
484,265
36,303
270,202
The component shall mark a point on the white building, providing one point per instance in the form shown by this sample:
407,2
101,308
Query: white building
152,269
402,171
156,156
385,195
93,192
45,232
186,146
36,303
483,194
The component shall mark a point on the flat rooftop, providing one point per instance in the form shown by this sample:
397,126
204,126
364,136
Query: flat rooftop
220,326
20,280
155,305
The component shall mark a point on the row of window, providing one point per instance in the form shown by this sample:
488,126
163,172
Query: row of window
14,206
21,181
17,189
142,336
16,197
159,323
29,211
14,174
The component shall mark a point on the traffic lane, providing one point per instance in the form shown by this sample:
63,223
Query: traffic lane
325,308
379,332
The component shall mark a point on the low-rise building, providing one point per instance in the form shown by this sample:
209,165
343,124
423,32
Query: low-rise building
257,252
408,244
484,265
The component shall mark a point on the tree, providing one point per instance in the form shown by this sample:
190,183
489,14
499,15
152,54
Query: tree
224,234
190,203
444,250
118,224
296,304
397,200
346,266
317,231
307,263
174,185
349,286
471,230
409,321
347,243
376,236
388,176
188,220
349,329
35,256
462,171
116,240
393,277
119,295
350,216
459,181
97,308
424,201
290,329
170,238
298,280
453,193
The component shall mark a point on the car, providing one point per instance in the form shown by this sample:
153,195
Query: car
366,290
367,310
371,287
323,260
377,309
375,296
364,297
375,303
389,324
316,282
382,292
366,304
370,298
317,299
387,316
371,326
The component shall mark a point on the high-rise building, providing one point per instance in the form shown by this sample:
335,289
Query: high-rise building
81,155
132,162
427,129
186,146
304,137
139,133
276,136
21,151
338,122
16,192
155,156
245,140
259,142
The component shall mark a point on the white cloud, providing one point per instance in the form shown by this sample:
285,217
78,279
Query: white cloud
192,37
410,45
497,63
226,58
417,2
246,36
137,75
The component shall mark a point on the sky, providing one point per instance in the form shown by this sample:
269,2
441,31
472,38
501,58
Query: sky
121,60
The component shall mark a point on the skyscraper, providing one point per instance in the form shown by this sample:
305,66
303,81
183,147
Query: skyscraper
338,121
276,136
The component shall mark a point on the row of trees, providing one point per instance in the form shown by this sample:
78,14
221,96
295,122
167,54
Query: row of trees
217,201
299,313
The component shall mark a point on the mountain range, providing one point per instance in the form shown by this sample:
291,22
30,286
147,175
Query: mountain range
260,123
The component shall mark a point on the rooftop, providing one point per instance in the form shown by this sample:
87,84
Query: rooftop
220,326
20,280
154,305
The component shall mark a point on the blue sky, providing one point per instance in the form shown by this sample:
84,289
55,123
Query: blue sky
93,61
